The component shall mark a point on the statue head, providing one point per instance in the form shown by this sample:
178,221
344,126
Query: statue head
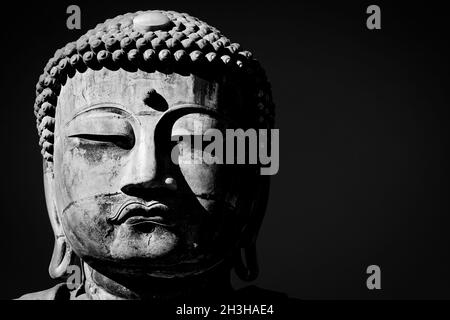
107,109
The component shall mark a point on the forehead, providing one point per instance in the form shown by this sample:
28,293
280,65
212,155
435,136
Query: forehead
128,90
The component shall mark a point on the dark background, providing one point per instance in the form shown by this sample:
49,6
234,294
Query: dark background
363,118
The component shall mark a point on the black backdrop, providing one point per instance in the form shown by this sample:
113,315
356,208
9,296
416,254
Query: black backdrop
363,118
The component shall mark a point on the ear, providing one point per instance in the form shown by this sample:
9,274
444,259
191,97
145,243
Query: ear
62,252
245,259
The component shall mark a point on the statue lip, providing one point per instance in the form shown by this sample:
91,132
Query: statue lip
135,212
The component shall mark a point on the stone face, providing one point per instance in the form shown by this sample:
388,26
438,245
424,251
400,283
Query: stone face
112,149
140,223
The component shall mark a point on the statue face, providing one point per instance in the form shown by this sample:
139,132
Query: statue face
125,207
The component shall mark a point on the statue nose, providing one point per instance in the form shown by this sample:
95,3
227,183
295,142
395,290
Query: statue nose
142,170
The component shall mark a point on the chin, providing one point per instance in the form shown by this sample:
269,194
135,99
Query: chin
142,252
146,269
145,264
159,253
156,244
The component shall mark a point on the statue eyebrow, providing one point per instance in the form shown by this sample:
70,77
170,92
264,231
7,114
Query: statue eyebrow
106,107
182,109
187,108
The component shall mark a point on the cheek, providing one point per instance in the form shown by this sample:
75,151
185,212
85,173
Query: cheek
201,178
86,171
213,182
86,227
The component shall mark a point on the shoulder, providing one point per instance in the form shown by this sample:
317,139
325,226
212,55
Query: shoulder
58,292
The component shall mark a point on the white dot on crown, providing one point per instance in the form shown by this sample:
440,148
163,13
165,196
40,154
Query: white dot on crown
150,21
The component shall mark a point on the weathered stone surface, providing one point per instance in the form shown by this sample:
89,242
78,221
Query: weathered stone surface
139,225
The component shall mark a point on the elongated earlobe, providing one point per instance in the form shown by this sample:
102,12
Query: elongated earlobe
245,255
246,263
61,258
63,255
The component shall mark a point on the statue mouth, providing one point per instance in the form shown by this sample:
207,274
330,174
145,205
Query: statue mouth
135,213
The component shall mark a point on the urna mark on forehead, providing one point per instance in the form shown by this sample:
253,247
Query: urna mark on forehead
130,90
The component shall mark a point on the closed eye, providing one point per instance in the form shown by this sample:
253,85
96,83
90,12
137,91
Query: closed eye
122,141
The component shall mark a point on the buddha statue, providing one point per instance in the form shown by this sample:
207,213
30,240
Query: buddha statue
137,224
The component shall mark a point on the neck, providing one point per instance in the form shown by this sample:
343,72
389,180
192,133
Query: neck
210,285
